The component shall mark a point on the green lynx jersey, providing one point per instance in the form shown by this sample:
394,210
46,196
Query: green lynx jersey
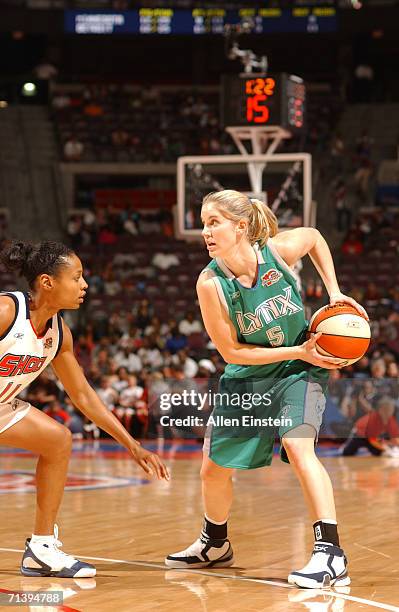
270,314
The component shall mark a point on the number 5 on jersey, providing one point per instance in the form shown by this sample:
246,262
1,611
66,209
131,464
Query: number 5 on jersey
275,335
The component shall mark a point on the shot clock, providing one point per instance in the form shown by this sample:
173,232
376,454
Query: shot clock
256,100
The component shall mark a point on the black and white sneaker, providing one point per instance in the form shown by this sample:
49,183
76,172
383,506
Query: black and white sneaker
327,567
48,560
203,553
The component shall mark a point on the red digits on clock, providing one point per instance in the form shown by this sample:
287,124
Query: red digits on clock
257,112
270,84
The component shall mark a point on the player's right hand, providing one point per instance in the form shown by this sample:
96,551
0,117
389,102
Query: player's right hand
149,462
309,353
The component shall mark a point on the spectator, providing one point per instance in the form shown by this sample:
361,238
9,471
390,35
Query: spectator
352,245
343,213
130,226
377,431
143,314
93,109
43,391
367,397
393,370
164,261
362,177
74,230
106,238
121,380
131,393
111,285
61,101
56,412
205,368
130,403
73,149
107,394
189,366
149,353
364,77
119,137
378,369
45,71
372,293
189,325
126,358
175,341
337,154
84,350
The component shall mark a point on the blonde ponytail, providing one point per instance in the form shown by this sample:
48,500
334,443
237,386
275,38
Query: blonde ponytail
234,205
263,223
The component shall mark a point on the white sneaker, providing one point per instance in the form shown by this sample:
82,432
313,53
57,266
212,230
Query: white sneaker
391,451
327,567
203,553
48,560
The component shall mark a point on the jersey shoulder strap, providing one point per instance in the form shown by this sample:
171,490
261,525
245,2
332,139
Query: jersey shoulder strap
20,310
220,280
270,252
57,321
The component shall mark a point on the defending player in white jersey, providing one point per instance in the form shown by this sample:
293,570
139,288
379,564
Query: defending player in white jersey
33,334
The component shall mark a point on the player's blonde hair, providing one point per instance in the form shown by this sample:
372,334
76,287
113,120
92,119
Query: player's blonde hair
234,205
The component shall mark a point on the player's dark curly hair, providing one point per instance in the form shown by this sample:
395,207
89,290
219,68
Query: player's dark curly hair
31,260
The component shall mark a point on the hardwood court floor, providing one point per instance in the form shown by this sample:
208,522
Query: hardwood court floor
130,525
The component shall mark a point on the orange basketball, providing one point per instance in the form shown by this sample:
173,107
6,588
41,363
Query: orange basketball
346,333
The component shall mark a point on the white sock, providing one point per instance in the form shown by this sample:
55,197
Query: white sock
42,539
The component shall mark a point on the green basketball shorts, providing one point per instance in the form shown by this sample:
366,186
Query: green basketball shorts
250,414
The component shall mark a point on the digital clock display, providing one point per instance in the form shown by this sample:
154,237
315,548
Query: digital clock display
257,92
257,100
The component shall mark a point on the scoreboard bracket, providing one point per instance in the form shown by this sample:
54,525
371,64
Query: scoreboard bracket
261,140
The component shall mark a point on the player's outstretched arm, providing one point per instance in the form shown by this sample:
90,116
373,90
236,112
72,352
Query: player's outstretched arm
223,334
87,401
294,244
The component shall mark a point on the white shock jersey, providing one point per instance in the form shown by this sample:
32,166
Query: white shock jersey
24,354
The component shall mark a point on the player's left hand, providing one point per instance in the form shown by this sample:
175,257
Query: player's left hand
149,462
337,297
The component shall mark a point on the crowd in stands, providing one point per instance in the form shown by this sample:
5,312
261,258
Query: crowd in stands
136,339
140,332
123,123
352,168
105,226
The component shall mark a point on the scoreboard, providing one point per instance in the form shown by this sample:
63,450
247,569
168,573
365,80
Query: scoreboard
255,100
308,17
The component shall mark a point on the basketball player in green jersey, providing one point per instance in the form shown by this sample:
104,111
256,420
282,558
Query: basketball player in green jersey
254,315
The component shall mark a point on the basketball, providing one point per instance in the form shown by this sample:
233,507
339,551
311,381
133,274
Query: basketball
346,333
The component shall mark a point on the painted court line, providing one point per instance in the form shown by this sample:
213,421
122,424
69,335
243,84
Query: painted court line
377,552
285,585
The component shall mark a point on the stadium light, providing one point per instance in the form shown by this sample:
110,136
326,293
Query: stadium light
29,89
